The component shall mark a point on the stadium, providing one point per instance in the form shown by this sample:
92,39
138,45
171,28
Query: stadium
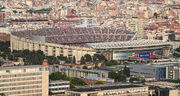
75,41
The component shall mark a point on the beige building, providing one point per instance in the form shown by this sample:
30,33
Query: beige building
49,49
136,24
172,88
24,80
78,73
120,90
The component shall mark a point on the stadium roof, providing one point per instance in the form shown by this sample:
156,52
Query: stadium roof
125,44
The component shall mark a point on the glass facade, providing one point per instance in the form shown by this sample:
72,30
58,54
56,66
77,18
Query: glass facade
161,73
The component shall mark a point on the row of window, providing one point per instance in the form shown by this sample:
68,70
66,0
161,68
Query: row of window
20,79
20,75
65,88
22,83
125,91
23,92
59,84
18,88
73,94
33,95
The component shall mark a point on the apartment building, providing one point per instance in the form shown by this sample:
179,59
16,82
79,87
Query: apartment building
119,90
136,24
24,80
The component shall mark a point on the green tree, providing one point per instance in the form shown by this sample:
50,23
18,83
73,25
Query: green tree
84,67
99,82
72,86
58,76
177,49
52,60
176,81
4,46
82,61
119,76
155,15
166,17
69,59
14,11
112,75
77,81
2,94
132,79
110,63
87,58
99,58
74,60
126,71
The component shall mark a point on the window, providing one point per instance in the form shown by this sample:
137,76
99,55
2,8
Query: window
8,71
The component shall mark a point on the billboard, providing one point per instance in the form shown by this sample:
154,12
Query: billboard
147,55
142,54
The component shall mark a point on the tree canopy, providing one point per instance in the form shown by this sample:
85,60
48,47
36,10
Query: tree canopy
87,58
111,63
61,76
119,77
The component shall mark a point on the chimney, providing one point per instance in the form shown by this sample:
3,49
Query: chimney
45,62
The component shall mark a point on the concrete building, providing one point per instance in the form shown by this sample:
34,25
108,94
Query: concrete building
87,21
170,70
4,37
119,90
148,71
58,87
142,49
66,41
78,73
136,24
163,88
160,71
24,80
50,49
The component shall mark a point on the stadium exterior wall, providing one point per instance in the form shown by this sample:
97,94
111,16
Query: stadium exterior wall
49,49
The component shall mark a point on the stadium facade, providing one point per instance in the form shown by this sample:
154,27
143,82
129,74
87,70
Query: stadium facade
139,49
115,44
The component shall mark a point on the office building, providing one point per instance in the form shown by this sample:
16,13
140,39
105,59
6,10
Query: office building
159,71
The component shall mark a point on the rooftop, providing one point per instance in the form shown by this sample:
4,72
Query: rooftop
20,67
105,88
132,43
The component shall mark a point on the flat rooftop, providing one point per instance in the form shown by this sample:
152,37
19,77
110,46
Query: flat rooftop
105,88
20,67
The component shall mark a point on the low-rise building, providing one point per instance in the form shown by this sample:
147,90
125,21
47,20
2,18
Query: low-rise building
77,72
119,90
159,71
58,87
163,88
